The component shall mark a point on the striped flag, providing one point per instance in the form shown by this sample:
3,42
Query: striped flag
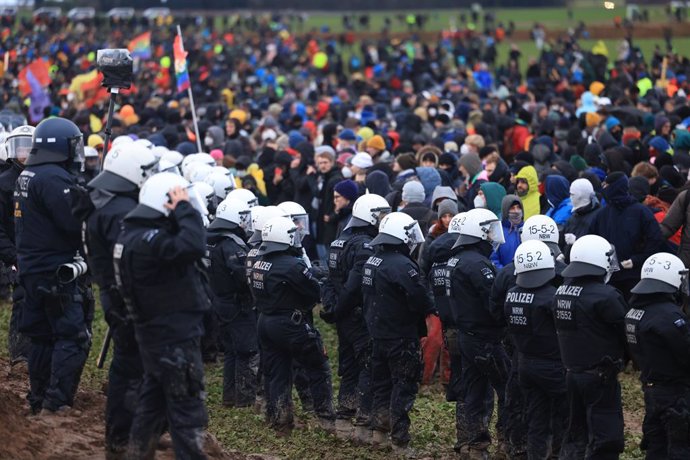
140,46
181,73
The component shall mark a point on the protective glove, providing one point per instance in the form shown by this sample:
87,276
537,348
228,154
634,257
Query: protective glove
570,238
627,264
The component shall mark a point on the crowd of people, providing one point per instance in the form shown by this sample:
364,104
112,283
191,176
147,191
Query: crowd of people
511,234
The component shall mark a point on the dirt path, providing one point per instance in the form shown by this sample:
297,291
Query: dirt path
78,436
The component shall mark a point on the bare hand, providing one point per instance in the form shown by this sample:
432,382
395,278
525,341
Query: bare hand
176,194
311,169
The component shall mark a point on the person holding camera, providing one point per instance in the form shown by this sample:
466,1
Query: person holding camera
48,236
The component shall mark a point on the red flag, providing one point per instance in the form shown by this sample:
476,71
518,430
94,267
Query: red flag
40,71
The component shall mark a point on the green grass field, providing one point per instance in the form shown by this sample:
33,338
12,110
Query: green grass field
433,423
524,18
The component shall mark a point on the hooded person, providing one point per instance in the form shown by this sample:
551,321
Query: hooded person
442,193
630,227
543,158
558,196
430,179
215,138
377,182
527,188
585,206
490,197
593,157
512,221
470,167
501,174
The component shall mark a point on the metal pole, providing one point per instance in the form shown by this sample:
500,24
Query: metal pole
191,98
108,124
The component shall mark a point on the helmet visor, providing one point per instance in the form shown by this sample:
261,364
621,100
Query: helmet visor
379,214
301,221
613,264
495,233
18,147
246,220
414,235
76,147
197,201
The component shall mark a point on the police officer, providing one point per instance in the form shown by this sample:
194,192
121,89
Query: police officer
484,360
260,215
659,337
342,301
227,252
300,218
439,251
529,313
589,318
536,228
113,194
285,291
17,147
396,303
47,236
154,262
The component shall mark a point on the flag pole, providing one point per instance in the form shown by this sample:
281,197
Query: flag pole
191,97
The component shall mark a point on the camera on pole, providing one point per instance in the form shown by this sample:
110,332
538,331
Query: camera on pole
117,68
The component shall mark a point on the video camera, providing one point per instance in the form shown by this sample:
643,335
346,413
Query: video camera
117,67
66,273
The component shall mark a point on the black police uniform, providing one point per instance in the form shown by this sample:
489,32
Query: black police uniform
517,422
541,375
154,261
300,378
342,301
19,344
126,371
438,253
589,318
658,334
285,292
47,236
396,303
484,360
232,305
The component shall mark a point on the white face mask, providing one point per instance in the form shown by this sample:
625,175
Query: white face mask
479,202
346,172
208,141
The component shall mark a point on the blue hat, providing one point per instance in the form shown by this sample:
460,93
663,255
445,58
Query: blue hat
612,122
347,135
295,138
660,144
347,189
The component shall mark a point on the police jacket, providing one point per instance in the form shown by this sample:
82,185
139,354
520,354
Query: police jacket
155,268
396,302
470,277
438,253
282,283
529,314
8,179
103,227
342,290
47,234
227,253
506,279
659,337
589,319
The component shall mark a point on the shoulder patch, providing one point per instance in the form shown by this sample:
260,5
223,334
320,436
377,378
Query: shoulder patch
679,323
367,246
487,273
150,235
412,272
